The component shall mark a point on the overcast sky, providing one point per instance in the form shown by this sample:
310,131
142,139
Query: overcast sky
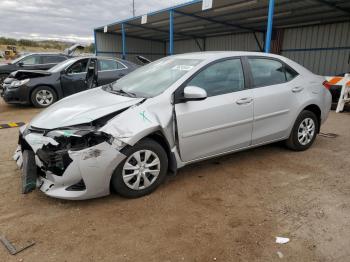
68,20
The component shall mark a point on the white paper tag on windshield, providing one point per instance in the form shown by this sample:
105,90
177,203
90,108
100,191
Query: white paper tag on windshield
105,29
182,67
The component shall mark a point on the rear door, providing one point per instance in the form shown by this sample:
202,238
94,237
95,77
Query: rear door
276,90
73,79
223,121
110,70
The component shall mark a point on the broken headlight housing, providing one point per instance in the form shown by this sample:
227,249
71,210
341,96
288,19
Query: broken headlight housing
78,139
55,158
17,83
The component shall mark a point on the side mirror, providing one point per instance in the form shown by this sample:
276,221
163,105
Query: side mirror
20,64
194,93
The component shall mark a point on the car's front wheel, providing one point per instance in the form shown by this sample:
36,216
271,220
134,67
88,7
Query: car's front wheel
143,170
304,131
43,96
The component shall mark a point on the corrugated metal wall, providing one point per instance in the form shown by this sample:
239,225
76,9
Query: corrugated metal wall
111,45
237,42
323,49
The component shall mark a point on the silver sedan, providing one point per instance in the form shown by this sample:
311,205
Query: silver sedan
181,109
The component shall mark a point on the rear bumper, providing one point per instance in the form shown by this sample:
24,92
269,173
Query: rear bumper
327,106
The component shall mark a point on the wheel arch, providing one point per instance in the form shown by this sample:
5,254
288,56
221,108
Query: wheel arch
317,111
161,139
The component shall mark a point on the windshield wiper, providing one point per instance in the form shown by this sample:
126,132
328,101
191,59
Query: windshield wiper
122,92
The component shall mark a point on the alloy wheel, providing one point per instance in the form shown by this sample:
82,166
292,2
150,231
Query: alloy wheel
141,169
306,131
44,97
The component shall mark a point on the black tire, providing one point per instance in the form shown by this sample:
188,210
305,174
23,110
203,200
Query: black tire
293,142
117,181
36,91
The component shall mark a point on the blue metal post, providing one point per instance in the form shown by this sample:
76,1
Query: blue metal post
123,42
95,42
269,26
171,32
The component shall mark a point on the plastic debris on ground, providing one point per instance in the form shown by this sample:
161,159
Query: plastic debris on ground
282,240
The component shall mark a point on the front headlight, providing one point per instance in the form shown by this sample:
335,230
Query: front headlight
17,83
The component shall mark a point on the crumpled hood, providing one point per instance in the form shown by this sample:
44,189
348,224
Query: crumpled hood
23,74
82,108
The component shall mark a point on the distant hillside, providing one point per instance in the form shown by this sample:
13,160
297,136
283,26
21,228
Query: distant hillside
39,45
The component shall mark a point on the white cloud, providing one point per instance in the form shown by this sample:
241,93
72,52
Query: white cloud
68,20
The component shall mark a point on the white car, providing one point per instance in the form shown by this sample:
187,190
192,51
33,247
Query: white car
175,111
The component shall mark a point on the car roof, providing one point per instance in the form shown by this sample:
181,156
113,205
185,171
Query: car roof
46,53
215,55
222,54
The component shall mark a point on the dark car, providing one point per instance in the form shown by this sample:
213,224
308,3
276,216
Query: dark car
40,61
37,61
42,88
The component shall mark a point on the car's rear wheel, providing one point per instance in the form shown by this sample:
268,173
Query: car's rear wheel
304,131
43,96
143,170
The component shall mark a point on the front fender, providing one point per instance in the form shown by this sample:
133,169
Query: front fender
139,121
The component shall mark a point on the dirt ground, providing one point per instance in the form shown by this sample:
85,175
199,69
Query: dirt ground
226,209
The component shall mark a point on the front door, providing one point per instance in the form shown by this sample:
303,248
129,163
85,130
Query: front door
73,80
223,121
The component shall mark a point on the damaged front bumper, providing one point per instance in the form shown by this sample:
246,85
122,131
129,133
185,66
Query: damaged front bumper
69,174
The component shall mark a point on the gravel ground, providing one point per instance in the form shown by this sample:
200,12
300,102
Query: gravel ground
227,209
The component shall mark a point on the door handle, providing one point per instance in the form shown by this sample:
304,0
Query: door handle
297,89
244,101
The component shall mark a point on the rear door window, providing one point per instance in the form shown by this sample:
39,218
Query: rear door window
290,73
53,59
266,72
108,65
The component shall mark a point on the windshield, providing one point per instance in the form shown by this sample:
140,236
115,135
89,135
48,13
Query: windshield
60,66
154,78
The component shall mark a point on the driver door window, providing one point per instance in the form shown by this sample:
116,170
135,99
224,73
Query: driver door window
220,78
78,67
109,65
31,60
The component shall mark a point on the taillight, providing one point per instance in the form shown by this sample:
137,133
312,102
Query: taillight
327,84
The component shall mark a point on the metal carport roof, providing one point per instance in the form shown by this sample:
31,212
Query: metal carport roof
229,16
